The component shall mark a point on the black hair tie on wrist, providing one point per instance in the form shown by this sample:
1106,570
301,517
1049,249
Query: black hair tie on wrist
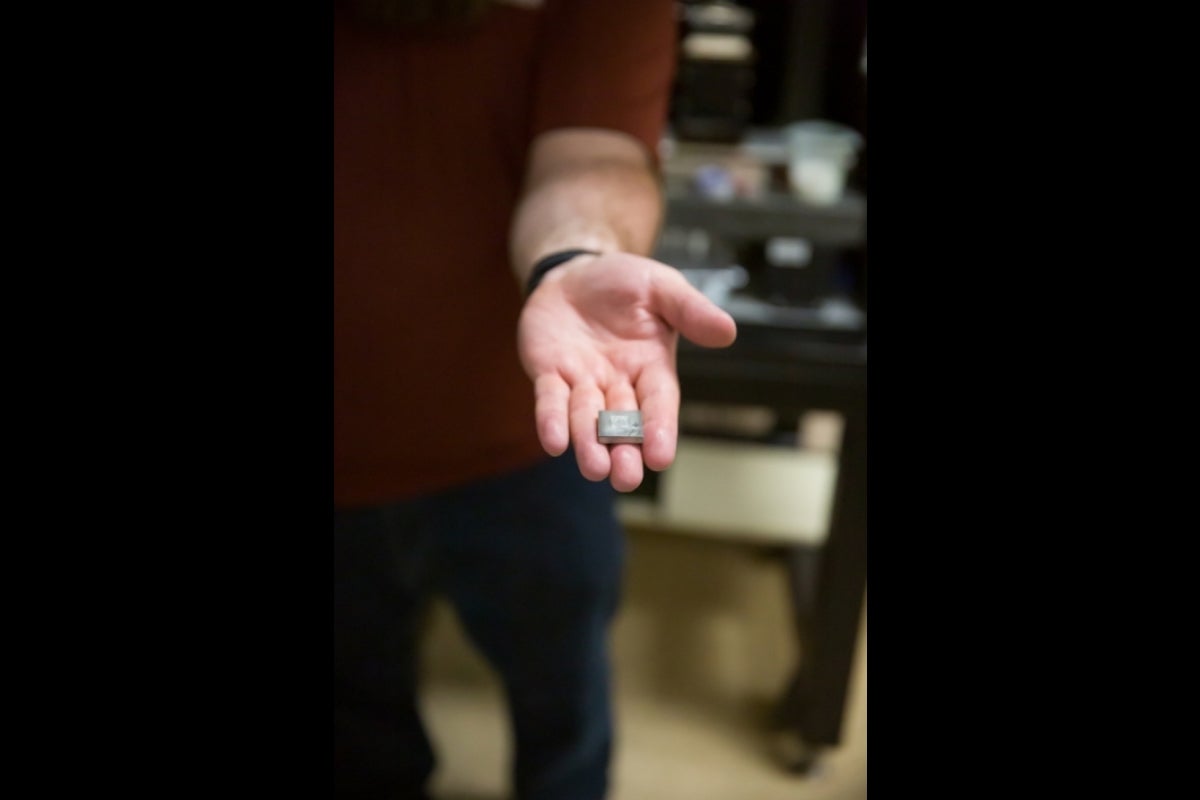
548,263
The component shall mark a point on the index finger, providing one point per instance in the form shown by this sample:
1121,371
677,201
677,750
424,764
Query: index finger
658,397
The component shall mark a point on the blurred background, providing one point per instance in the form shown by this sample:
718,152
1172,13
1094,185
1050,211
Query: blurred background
741,645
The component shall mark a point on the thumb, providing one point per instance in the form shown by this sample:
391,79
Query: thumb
689,311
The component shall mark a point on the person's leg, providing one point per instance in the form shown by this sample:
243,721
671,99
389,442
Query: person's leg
532,563
379,563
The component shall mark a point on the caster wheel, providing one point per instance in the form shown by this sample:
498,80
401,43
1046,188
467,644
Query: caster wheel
795,755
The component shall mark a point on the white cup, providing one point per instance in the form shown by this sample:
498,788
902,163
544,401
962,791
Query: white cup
820,156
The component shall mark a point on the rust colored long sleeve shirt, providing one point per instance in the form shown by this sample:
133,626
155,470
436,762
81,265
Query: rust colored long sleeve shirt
431,133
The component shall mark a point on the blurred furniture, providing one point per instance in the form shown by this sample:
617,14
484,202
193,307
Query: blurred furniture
793,372
792,360
802,310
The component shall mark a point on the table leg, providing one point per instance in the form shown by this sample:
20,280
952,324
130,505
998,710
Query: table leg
828,586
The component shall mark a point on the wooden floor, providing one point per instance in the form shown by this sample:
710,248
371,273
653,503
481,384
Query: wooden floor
701,648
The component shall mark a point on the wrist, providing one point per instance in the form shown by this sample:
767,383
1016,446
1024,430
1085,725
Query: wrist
552,261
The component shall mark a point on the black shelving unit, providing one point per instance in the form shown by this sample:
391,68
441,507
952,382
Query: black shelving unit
792,370
843,224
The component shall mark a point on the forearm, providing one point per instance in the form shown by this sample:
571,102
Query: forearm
588,190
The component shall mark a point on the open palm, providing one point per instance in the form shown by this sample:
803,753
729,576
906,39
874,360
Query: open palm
600,332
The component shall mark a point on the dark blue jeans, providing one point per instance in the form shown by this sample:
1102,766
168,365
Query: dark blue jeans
531,562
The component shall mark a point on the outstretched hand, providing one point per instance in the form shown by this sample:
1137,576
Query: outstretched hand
600,332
